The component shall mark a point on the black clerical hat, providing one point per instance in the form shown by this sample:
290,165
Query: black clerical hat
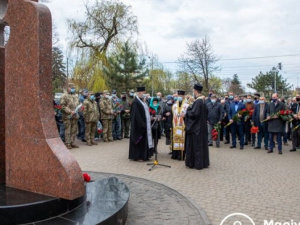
198,87
257,94
180,92
140,89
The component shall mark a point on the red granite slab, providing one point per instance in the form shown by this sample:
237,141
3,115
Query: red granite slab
2,114
36,158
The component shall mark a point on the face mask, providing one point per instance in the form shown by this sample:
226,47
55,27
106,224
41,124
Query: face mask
92,97
73,90
230,97
274,99
226,98
170,102
144,96
245,100
255,99
175,99
179,99
298,99
114,95
213,101
249,100
158,97
154,104
261,102
131,94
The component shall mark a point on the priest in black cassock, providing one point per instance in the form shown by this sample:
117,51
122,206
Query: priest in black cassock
141,143
196,141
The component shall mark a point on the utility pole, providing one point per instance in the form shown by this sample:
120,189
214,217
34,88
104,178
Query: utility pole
152,75
279,67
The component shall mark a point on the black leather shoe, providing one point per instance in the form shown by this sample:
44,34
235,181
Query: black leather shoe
232,146
226,142
257,147
246,143
280,153
83,140
266,148
218,146
241,148
210,145
270,151
293,150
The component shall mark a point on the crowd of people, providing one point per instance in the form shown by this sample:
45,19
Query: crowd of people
190,123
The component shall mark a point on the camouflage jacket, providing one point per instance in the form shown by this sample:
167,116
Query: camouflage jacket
126,106
90,111
68,103
106,108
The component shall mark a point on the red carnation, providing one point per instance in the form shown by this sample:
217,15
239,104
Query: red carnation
86,177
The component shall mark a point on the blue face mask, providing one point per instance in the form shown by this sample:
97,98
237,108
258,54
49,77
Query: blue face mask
274,99
175,99
249,100
261,102
158,97
230,97
92,97
213,101
73,90
179,99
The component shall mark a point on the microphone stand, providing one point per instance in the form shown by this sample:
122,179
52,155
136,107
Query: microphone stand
156,163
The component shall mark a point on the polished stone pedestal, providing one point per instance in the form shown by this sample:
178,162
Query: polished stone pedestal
106,202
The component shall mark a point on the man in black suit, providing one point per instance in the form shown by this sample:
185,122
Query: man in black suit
226,112
295,133
260,114
275,124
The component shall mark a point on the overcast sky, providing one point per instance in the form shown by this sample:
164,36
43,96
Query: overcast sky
237,29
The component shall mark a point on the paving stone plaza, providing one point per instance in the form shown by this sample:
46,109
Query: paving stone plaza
263,186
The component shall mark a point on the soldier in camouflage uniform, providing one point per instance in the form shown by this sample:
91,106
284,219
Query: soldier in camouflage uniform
125,115
106,117
91,117
69,102
131,97
116,123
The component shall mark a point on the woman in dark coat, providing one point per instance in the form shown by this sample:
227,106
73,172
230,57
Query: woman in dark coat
168,118
155,114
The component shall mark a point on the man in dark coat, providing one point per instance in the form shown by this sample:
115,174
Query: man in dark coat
141,142
196,145
215,115
295,133
260,114
275,124
237,126
226,119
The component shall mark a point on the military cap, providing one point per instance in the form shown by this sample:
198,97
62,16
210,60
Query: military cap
71,85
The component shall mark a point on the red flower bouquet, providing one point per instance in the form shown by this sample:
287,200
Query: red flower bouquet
86,177
254,130
236,118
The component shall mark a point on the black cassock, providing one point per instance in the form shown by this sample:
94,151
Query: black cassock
138,146
196,140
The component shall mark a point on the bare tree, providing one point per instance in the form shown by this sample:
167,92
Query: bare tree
199,60
106,22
